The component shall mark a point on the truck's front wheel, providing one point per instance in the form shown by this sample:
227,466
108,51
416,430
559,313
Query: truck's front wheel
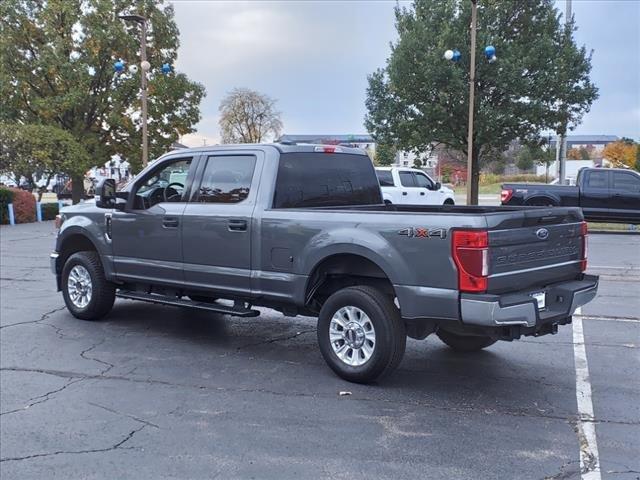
361,334
87,293
465,343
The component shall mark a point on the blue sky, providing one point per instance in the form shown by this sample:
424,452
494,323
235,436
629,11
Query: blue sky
314,57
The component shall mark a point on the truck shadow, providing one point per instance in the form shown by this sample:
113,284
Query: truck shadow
275,350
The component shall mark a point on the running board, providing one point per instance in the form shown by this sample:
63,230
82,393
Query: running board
236,311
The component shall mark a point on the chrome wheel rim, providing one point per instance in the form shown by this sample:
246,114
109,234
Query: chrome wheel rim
352,336
79,286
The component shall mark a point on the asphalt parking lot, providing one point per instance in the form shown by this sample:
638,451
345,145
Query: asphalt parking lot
160,392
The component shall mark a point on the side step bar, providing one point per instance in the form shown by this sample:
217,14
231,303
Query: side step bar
236,310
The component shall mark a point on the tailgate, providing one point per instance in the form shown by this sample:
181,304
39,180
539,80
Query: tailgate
543,246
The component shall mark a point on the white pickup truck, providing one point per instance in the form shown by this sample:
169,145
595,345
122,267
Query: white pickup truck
411,186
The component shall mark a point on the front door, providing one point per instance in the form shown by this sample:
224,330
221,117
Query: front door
146,237
217,224
625,196
428,193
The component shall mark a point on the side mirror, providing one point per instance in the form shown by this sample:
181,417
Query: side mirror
106,193
437,186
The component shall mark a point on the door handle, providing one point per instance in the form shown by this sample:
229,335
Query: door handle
404,193
421,193
237,225
170,222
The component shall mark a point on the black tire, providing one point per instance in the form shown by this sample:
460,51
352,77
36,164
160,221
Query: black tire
465,343
103,292
202,299
390,333
448,201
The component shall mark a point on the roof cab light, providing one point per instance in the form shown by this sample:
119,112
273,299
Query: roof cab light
583,234
328,149
505,195
470,250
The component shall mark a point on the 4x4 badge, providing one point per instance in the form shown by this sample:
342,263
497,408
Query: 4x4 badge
421,232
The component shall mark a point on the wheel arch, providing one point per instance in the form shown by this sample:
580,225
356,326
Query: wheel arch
339,270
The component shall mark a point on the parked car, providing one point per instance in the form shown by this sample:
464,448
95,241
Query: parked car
304,230
604,194
411,186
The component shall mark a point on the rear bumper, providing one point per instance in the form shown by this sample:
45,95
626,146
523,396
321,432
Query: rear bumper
520,309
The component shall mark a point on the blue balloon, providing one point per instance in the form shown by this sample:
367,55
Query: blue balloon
166,68
456,56
490,51
118,66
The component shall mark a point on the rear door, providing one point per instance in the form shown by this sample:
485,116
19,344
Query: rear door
595,194
217,225
409,190
625,196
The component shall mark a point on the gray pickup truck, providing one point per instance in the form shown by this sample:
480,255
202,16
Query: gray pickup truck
304,230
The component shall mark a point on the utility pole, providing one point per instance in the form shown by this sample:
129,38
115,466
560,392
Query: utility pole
472,89
561,143
144,68
143,93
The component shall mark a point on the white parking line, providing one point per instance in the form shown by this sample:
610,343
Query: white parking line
589,458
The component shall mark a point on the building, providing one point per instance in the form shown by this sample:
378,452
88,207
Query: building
590,142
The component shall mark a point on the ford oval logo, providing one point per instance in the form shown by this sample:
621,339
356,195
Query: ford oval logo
542,233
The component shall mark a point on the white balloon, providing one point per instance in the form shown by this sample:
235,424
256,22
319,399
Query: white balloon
448,54
145,66
133,69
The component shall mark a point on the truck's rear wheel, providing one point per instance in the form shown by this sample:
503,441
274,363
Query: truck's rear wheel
465,343
87,293
361,334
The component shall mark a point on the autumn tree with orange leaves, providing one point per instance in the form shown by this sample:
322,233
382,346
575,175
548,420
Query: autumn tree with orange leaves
622,153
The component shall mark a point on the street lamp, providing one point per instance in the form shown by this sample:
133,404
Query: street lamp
454,55
144,65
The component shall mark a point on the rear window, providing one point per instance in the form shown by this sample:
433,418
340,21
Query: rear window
385,178
309,179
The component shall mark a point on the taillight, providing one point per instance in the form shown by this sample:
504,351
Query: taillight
583,234
59,221
471,255
505,195
328,149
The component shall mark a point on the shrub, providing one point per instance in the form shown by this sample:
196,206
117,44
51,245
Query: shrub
490,178
49,211
6,197
24,206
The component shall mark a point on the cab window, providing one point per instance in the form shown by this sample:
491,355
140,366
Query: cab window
407,179
597,180
423,181
165,184
626,181
226,179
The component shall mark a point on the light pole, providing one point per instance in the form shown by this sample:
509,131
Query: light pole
454,55
472,91
144,66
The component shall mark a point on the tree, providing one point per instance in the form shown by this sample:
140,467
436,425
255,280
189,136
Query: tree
622,153
385,154
419,98
40,151
525,158
60,73
247,116
636,165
